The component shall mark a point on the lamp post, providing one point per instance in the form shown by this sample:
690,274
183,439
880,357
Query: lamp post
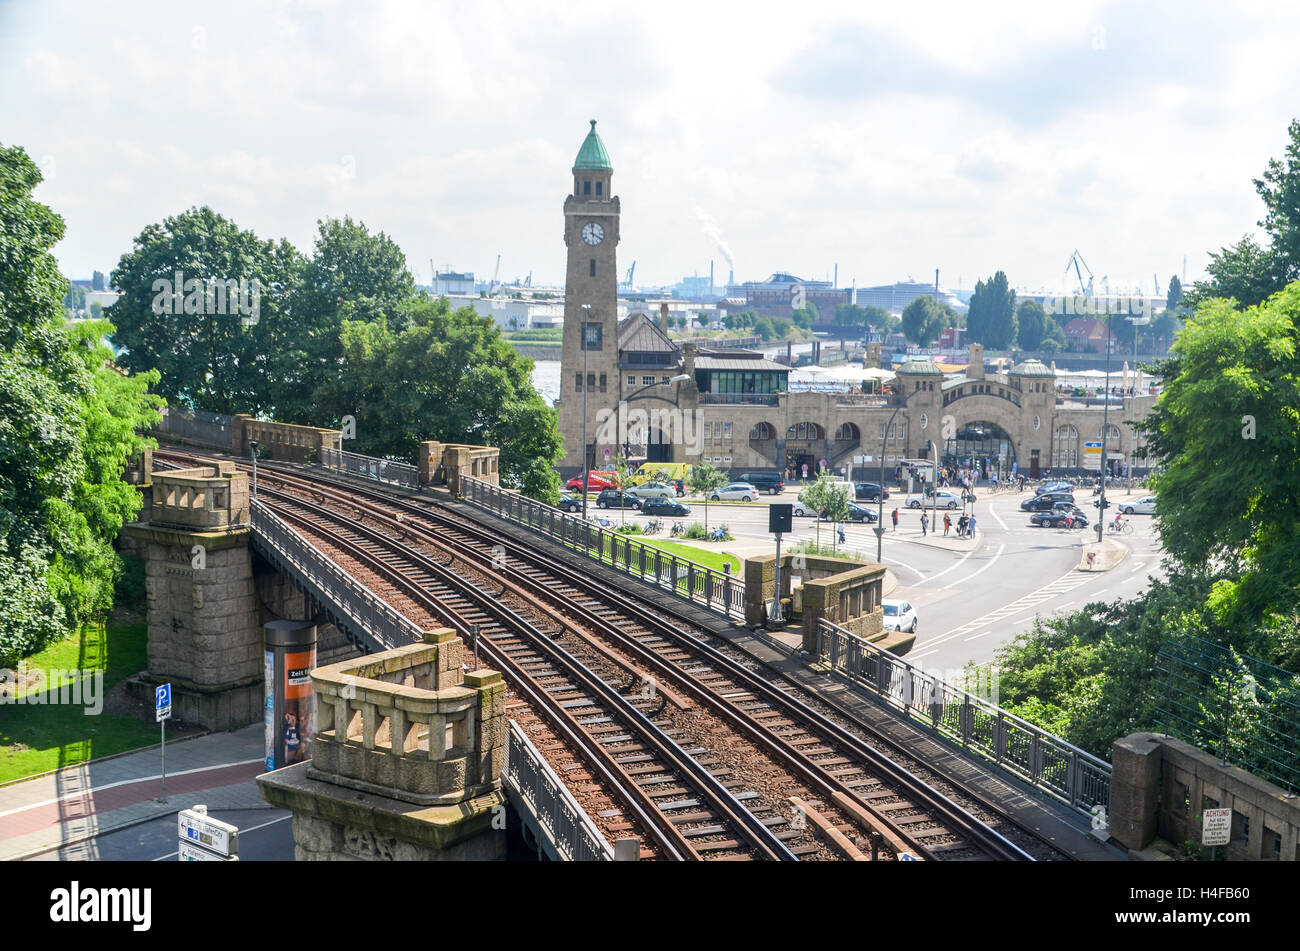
252,446
1105,427
880,519
582,340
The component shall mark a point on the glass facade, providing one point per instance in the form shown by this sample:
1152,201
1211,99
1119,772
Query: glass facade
741,381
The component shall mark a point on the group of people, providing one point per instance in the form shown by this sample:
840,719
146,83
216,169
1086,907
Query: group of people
965,524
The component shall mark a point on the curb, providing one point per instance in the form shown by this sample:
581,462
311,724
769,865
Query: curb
1108,554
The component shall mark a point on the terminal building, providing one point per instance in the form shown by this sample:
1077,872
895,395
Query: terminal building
628,389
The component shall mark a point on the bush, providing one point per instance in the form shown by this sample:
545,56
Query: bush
629,529
130,587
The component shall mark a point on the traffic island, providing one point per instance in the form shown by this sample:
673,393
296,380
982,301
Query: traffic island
1103,555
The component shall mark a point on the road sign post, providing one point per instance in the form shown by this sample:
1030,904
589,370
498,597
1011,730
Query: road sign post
204,839
162,710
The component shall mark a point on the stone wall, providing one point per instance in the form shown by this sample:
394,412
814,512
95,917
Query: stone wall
1160,786
447,463
283,442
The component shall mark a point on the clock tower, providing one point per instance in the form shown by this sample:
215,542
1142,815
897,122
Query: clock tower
589,358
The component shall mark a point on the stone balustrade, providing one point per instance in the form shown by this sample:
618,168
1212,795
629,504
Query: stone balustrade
408,725
447,463
283,442
206,498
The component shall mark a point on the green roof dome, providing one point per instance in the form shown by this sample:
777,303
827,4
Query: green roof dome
1032,368
923,367
593,154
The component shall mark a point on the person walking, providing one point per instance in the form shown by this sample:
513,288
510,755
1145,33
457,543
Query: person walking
947,523
841,534
972,525
894,516
961,525
925,523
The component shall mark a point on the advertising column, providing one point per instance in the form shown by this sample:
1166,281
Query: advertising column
289,714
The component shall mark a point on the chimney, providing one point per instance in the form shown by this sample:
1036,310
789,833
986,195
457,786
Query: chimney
710,278
975,367
731,276
837,276
663,317
936,283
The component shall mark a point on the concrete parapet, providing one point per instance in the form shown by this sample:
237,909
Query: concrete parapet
207,498
847,593
284,442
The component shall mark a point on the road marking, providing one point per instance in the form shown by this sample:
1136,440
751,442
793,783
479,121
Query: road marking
923,654
1024,619
1001,549
1062,585
994,513
952,567
1138,567
1096,594
91,790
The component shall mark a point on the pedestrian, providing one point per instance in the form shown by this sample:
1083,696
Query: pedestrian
925,523
961,525
972,525
841,534
1022,482
894,516
947,523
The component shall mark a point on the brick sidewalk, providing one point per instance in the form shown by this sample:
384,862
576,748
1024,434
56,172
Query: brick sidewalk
71,805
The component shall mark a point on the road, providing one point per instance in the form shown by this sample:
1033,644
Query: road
265,835
970,603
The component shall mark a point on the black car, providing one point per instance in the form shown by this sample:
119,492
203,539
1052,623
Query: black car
1045,503
614,499
568,503
868,491
664,507
1059,513
769,481
858,513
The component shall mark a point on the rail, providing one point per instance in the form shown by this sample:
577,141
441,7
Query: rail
367,619
370,467
562,821
710,589
1063,771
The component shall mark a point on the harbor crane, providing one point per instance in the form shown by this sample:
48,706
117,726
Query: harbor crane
1076,259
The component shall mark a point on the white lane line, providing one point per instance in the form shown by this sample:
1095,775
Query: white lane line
1024,619
241,832
994,513
1138,567
952,567
91,790
991,562
923,654
1067,582
1097,594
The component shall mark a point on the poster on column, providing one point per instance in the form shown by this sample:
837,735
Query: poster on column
298,726
268,711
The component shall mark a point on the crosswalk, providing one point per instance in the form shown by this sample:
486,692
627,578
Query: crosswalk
1063,585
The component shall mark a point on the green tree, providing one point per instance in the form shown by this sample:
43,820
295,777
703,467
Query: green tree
75,299
924,319
1032,321
97,281
704,479
1174,296
446,375
220,361
1227,430
622,470
67,427
991,317
1279,188
825,498
1245,272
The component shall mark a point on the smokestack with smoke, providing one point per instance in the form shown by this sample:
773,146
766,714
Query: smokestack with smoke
714,234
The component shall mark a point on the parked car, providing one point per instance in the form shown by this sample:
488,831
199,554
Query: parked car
1059,513
943,499
899,615
614,499
1053,487
769,482
736,491
598,480
801,510
860,513
1045,503
568,503
670,507
652,490
1146,506
868,491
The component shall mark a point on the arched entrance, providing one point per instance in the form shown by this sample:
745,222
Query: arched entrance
803,442
985,447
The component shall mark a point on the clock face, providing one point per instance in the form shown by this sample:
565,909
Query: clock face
593,233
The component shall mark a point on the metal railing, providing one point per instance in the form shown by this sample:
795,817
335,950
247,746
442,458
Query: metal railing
367,619
740,399
711,589
1060,769
370,467
562,821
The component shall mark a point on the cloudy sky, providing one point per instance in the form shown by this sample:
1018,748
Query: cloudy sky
891,141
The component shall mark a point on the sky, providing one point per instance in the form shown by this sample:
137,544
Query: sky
892,141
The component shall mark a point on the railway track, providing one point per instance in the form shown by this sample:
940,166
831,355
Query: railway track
629,643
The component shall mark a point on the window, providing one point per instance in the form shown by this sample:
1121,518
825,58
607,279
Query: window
647,381
762,431
592,336
586,188
882,432
591,381
598,185
726,430
631,381
664,379
602,383
592,272
577,382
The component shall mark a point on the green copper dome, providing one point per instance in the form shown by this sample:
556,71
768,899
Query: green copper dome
593,154
1032,368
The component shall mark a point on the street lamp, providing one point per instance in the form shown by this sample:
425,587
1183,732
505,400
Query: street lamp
1105,431
252,446
582,340
880,520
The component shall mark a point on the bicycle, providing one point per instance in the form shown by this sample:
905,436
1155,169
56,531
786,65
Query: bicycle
677,529
1115,528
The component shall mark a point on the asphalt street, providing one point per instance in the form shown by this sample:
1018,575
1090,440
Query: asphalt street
971,602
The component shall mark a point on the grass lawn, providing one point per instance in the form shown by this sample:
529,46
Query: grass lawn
37,738
701,556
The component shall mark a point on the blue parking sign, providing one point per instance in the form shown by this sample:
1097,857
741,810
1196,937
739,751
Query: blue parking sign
162,702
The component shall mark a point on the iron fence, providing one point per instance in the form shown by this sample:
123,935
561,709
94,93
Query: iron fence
370,467
1060,769
707,587
366,617
561,820
1243,708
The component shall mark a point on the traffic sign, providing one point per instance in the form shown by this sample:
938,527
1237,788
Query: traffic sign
195,828
1216,827
907,857
192,853
1092,455
162,702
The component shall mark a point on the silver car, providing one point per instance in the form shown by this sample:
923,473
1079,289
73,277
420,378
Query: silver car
735,492
652,490
1144,506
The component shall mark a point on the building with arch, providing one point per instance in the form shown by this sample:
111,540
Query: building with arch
734,410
